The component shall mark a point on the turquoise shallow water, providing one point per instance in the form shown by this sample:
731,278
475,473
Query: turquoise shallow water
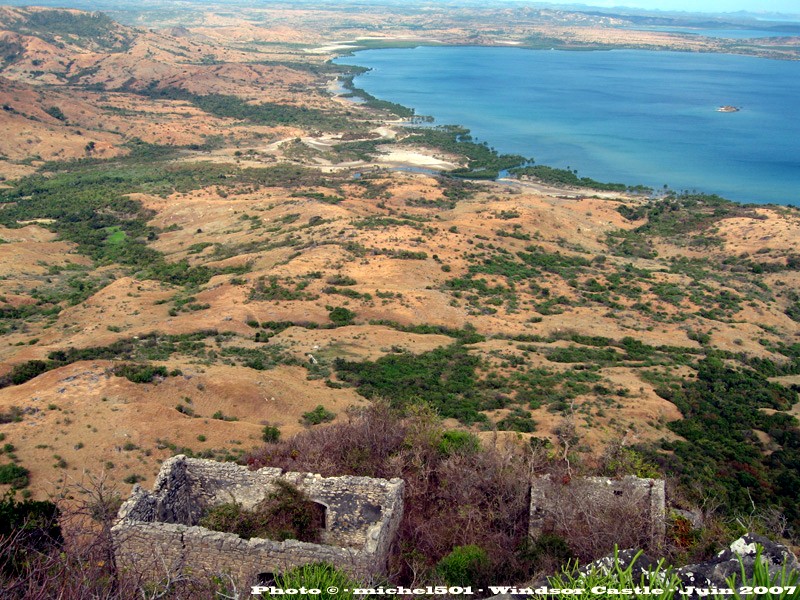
629,116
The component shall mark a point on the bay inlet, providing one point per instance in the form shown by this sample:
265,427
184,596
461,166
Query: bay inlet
628,116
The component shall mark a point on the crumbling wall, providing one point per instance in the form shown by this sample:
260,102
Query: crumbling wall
362,516
598,512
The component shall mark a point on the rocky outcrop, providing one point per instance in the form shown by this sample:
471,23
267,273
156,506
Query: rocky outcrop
739,557
709,578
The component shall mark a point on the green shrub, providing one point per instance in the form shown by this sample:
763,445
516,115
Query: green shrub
14,415
319,415
185,410
27,371
348,293
270,113
341,316
576,354
619,461
138,373
458,442
517,420
219,415
321,576
444,378
547,550
339,279
80,28
464,566
14,475
89,204
716,451
483,162
270,434
793,310
34,527
284,514
56,113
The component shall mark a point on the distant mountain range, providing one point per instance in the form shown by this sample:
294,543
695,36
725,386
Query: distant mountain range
670,16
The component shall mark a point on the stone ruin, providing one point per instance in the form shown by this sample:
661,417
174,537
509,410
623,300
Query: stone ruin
157,532
629,512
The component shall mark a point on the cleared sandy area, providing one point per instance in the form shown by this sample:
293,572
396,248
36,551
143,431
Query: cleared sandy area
402,158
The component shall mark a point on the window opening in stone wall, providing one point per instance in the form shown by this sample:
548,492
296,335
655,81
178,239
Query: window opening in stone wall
266,579
320,512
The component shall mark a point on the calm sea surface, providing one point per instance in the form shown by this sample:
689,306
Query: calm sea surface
628,116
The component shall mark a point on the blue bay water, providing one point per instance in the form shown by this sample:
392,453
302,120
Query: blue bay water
628,116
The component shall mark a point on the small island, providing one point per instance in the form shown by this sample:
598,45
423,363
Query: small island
728,109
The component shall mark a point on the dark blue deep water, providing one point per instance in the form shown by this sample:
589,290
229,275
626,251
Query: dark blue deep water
629,116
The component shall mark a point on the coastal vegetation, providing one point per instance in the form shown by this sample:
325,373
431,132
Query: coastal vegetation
567,177
483,162
373,102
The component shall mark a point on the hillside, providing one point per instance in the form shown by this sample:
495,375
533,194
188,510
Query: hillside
200,243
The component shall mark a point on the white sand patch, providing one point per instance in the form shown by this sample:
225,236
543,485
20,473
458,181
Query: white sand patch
398,38
415,159
386,132
331,48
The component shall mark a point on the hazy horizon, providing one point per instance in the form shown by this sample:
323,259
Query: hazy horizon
789,7
786,7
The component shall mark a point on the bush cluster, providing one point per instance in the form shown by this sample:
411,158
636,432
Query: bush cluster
286,513
457,493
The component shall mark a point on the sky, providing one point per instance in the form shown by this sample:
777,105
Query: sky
709,6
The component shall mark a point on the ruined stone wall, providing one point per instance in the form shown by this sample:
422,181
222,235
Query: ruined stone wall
160,527
630,508
161,549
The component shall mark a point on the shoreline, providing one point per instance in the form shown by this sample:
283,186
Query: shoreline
715,45
546,184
